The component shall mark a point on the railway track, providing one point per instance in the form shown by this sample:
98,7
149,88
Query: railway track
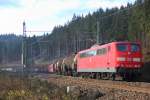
107,85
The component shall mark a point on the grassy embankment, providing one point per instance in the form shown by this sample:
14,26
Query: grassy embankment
16,87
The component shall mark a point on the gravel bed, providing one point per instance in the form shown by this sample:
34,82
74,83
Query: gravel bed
102,89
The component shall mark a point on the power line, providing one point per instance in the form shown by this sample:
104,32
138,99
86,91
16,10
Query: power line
101,18
30,31
121,10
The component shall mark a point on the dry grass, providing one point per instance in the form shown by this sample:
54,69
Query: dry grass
16,87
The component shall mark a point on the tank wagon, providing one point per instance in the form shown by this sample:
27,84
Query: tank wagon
109,60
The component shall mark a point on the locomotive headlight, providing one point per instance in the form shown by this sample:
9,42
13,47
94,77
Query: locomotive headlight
136,59
120,58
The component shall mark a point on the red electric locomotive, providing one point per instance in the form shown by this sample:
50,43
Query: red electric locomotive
116,58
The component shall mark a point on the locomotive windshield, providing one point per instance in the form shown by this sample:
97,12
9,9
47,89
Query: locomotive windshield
122,47
135,48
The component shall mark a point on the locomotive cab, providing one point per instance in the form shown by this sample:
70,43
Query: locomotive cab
128,58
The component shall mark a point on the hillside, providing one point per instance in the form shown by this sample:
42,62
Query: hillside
130,23
10,48
127,23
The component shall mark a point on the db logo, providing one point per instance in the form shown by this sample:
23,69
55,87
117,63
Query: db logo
129,59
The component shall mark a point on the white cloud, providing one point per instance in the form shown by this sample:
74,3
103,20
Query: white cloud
45,14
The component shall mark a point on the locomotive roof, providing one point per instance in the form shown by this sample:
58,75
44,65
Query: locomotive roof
104,44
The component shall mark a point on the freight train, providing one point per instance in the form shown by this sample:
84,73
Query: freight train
123,59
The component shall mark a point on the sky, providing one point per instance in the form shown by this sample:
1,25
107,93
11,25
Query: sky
43,15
